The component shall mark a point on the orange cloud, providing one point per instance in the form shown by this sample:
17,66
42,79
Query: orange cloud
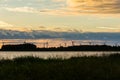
95,6
74,7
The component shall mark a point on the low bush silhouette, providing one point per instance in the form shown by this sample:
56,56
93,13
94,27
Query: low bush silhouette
76,68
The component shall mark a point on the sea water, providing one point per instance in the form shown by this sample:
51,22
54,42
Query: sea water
51,54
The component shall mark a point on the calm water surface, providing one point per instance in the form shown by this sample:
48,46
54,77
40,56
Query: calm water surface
45,55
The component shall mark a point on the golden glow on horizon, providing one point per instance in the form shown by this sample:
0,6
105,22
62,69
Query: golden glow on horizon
51,42
8,26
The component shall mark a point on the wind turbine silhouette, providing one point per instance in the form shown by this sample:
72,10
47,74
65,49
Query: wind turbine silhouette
104,43
3,42
80,43
116,44
46,44
43,45
73,43
65,44
90,43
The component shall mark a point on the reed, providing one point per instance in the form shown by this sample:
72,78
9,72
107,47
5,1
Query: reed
106,67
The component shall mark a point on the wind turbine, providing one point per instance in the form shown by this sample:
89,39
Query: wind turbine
80,44
65,44
3,42
73,43
104,43
44,45
60,45
47,44
90,43
116,44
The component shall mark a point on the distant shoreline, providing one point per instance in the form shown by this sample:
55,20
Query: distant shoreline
32,47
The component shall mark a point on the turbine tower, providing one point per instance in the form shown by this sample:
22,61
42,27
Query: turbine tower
73,43
65,44
3,42
47,44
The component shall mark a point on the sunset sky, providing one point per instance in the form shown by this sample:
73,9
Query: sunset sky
60,15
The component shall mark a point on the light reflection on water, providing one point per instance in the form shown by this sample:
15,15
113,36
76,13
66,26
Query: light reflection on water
45,55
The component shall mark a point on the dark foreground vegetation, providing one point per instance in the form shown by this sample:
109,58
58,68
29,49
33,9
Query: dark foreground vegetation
80,68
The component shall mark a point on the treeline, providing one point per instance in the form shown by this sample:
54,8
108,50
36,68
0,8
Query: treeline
83,48
32,47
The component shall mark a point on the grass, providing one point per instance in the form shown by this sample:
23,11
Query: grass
76,68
